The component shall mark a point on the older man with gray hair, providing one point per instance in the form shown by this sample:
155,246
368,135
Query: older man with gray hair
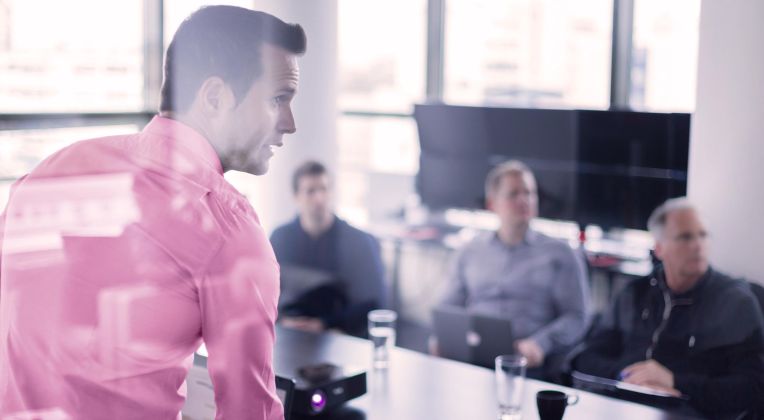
686,329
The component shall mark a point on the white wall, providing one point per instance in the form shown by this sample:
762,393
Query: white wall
315,110
726,170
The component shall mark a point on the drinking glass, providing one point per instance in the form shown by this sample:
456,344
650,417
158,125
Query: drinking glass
510,385
382,334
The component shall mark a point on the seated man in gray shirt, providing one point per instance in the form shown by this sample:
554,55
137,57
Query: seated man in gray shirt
537,282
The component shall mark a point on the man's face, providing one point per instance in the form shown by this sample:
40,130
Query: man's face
313,197
683,248
262,117
515,200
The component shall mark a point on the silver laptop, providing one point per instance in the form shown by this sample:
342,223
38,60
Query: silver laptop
471,337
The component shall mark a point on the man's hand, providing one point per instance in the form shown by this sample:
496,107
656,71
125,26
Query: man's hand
531,351
650,374
304,323
671,391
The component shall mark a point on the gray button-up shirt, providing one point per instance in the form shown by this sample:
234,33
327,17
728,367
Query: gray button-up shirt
540,285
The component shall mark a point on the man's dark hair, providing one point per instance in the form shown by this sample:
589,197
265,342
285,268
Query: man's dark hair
222,41
309,168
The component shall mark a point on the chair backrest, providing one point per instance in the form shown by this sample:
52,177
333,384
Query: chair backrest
758,291
285,391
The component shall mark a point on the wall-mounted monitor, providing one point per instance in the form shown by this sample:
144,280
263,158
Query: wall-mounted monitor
609,168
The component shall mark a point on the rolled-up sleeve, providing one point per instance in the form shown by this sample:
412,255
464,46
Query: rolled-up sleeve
238,295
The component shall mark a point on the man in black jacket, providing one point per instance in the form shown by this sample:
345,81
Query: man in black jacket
686,329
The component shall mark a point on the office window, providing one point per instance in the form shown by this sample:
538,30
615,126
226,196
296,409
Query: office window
665,55
528,53
381,144
379,155
22,150
382,54
177,10
56,57
382,58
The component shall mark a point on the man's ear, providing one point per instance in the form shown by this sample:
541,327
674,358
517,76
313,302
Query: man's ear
489,203
215,96
658,250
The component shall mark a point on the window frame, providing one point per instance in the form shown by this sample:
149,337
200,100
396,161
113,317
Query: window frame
620,69
623,15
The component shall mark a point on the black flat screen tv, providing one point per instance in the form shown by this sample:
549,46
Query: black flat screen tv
609,168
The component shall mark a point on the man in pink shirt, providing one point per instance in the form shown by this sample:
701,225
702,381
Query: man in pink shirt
120,255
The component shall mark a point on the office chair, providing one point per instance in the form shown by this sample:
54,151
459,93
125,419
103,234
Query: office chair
758,292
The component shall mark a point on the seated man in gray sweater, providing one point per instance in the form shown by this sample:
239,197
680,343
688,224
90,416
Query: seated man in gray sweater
537,282
319,240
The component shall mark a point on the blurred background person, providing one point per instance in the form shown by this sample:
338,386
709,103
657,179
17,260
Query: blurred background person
537,282
685,329
317,239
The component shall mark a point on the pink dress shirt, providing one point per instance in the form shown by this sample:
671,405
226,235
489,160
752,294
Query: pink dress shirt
119,256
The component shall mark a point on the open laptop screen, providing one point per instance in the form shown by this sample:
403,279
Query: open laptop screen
471,337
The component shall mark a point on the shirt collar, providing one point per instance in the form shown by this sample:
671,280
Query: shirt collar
530,238
699,285
693,291
331,231
186,138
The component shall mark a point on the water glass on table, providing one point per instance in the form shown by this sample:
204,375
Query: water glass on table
382,335
510,385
